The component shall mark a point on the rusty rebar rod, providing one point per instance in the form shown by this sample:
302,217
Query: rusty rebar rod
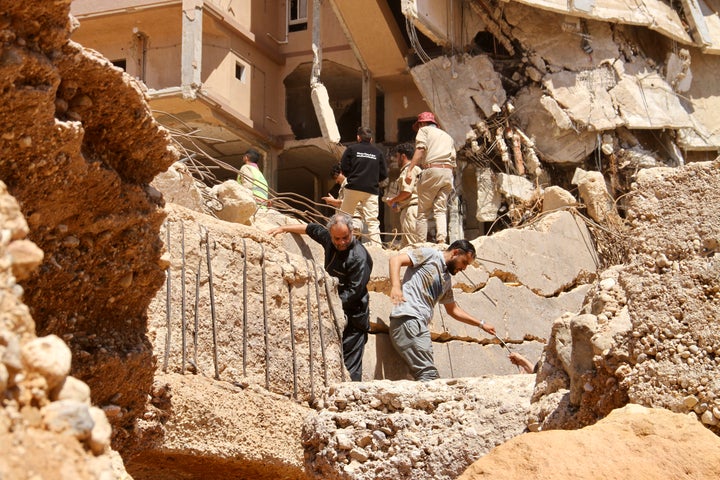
292,331
182,289
212,303
265,322
320,326
244,320
197,316
168,305
309,331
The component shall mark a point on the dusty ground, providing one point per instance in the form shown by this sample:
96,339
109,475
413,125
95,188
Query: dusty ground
632,442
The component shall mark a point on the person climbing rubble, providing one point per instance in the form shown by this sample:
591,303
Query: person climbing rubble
403,198
427,281
435,153
252,178
348,260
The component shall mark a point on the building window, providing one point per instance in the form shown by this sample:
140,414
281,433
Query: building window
122,63
297,15
240,71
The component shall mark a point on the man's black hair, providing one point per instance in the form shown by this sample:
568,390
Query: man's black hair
463,245
365,134
253,155
335,170
407,149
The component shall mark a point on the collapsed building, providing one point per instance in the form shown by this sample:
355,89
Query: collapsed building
209,347
528,90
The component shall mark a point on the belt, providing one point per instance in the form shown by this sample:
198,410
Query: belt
409,205
439,165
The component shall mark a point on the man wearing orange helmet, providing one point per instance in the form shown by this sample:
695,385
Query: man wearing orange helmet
435,153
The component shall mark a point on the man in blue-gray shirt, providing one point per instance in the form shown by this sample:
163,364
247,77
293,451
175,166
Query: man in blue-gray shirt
427,280
350,262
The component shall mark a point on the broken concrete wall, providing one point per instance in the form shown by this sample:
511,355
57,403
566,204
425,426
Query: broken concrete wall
593,84
524,280
648,333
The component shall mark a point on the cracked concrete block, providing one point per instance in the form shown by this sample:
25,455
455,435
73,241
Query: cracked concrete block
556,198
547,257
646,100
584,97
516,187
540,118
458,359
237,201
594,193
513,310
459,93
324,112
488,198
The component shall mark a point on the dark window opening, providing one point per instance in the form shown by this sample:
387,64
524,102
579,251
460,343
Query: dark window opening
297,15
240,72
405,130
487,43
122,63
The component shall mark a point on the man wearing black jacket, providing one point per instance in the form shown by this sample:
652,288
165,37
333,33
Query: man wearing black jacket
363,164
350,262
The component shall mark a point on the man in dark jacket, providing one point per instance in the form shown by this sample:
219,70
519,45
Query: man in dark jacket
350,262
363,164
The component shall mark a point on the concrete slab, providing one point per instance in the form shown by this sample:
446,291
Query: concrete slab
547,257
653,14
563,146
645,100
453,359
585,98
458,89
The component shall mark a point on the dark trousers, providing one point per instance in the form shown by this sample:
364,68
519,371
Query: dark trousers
355,337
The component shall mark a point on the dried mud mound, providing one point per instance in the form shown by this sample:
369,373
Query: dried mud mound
79,148
661,445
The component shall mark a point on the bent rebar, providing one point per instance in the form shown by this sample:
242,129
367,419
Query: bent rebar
309,329
265,323
212,302
292,331
244,320
320,326
168,305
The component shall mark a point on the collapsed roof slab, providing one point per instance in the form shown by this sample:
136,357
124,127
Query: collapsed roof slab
374,35
710,10
704,98
584,97
558,39
653,14
563,146
461,91
645,100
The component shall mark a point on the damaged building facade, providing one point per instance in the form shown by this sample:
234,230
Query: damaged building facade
530,90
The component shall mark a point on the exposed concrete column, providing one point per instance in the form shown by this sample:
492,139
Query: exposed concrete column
191,61
316,47
318,92
369,101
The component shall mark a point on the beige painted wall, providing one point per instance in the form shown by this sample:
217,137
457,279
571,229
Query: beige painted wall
119,37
